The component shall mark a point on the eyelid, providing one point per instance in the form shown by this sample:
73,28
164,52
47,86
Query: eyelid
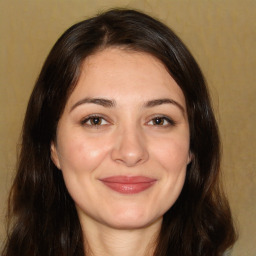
170,121
87,118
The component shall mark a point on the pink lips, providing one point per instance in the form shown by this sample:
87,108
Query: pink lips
127,184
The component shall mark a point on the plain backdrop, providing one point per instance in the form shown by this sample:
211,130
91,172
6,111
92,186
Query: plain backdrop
221,34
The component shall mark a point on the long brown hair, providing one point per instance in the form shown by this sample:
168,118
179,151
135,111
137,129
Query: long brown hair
42,216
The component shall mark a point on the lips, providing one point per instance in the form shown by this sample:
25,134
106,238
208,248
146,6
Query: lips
128,184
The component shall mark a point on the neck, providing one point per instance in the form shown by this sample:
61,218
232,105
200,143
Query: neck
102,240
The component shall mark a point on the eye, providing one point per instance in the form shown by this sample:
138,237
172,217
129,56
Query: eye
94,121
161,121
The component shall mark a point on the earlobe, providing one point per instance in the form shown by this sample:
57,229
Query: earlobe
54,155
190,157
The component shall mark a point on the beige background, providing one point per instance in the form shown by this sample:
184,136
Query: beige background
220,33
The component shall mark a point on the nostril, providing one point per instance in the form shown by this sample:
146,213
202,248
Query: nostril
130,152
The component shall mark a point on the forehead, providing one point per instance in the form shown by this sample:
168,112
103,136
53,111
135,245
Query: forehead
119,73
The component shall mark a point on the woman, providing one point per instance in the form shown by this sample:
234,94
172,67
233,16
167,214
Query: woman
120,149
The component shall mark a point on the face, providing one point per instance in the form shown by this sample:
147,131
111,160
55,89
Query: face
123,140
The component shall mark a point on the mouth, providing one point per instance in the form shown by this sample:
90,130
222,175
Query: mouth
128,184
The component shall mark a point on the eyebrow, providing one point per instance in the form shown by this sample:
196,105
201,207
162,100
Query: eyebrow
157,102
98,101
107,103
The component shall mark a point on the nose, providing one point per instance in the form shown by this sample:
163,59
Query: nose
130,148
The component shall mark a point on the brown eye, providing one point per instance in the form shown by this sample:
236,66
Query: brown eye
158,121
95,120
162,121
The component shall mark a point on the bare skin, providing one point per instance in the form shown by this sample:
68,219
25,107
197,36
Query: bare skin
123,148
105,241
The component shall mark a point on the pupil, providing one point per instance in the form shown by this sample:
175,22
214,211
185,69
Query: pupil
158,121
96,120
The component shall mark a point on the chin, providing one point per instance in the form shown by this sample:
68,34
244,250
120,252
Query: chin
132,220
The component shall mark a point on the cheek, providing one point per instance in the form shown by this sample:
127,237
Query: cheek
172,153
173,156
79,154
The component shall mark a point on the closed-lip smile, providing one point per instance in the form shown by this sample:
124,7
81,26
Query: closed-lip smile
128,184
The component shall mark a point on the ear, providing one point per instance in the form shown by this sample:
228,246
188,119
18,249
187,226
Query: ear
190,157
54,155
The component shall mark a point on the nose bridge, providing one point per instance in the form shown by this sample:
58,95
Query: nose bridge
130,145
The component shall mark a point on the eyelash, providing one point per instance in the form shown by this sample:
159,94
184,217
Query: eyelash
170,122
84,121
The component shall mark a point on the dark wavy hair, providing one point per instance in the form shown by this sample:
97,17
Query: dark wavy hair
198,224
